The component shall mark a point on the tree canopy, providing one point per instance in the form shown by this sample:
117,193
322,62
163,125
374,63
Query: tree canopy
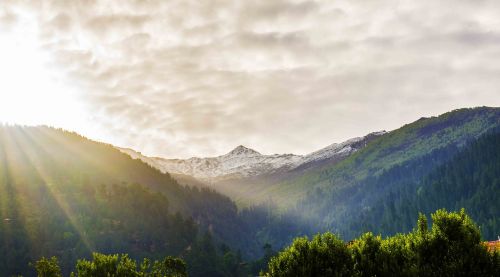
451,247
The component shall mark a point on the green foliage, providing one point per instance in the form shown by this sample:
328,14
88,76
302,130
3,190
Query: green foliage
469,179
202,257
122,266
374,256
48,267
452,247
368,255
66,196
324,255
170,266
261,264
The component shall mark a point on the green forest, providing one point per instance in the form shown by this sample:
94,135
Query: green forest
451,247
452,176
57,199
70,205
470,179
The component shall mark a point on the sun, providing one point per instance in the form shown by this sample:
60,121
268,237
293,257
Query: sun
27,94
32,92
36,90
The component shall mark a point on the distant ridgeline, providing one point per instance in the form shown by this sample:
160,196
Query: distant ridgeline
66,196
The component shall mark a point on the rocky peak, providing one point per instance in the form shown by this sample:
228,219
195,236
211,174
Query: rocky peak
242,151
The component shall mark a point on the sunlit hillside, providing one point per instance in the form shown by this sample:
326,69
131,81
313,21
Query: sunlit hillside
65,195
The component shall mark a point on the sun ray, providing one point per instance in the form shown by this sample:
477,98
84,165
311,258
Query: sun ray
79,151
26,143
14,204
17,145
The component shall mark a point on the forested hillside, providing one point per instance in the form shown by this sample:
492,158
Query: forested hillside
406,144
388,198
451,247
66,196
470,179
397,164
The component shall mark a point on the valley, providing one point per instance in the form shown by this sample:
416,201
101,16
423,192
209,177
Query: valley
77,196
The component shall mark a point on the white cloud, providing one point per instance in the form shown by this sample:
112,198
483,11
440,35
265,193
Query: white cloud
181,78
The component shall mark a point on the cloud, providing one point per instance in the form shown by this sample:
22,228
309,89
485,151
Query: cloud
181,78
7,19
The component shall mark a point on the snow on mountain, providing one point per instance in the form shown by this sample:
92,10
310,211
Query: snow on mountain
240,162
245,162
342,149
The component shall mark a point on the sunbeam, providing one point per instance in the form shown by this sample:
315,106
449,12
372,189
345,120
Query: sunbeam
28,145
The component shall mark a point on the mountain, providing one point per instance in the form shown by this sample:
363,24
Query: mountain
249,177
64,195
243,162
239,163
470,179
242,169
336,193
337,151
410,142
340,197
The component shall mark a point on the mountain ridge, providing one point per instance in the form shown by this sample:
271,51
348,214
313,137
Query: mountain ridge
244,162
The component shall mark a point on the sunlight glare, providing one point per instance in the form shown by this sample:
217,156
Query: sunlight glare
30,92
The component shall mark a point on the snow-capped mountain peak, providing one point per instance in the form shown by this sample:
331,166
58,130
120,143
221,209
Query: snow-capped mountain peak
245,162
243,151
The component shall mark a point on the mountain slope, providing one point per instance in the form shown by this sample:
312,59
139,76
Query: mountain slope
410,142
249,177
243,162
334,196
62,194
470,180
43,154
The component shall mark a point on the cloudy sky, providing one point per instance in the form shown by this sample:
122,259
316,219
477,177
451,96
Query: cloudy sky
183,78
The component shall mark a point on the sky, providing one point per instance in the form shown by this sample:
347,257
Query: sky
184,78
